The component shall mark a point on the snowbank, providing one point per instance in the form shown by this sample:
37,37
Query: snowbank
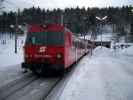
128,51
101,77
102,51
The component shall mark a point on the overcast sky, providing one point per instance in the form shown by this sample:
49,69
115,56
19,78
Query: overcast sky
81,3
50,4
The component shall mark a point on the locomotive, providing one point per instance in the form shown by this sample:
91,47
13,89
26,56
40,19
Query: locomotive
52,47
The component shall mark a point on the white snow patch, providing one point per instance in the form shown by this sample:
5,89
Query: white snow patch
102,51
7,55
128,51
101,77
34,91
10,62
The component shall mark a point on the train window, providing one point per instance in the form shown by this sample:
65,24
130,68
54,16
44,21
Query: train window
55,38
33,39
45,38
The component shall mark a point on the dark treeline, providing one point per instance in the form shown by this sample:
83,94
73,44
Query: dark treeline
78,20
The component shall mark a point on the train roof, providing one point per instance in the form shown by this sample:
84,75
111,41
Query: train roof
46,28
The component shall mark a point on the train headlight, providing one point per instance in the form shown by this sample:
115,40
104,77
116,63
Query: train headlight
59,56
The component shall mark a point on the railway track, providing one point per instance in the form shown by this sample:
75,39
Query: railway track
45,95
15,89
16,85
41,89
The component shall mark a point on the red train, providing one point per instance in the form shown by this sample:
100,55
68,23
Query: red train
52,47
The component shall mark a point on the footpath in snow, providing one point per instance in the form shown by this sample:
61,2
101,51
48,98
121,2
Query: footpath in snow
107,75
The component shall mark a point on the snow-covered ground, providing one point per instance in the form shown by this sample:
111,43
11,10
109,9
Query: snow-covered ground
7,48
10,68
107,75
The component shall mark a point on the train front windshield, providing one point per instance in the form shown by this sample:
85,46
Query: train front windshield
45,38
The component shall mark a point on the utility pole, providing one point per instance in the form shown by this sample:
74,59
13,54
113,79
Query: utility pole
62,19
1,24
16,30
132,21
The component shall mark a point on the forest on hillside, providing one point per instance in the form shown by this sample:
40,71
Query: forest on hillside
78,20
